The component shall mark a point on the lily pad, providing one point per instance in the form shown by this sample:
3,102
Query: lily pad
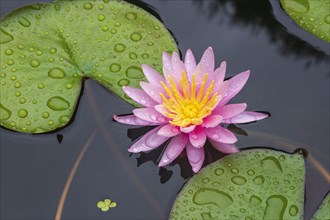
48,49
311,15
253,184
323,213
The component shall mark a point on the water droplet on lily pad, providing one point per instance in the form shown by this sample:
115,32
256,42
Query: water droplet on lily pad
134,72
56,73
57,103
5,37
24,22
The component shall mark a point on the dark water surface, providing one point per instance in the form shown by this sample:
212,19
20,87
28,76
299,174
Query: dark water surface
290,79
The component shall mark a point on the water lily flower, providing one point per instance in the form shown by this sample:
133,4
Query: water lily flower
188,105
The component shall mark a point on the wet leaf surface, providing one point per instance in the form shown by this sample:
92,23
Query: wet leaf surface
253,184
324,210
311,15
48,49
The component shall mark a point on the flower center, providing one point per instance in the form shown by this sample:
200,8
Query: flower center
188,107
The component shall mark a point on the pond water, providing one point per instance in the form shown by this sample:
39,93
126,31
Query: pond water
289,78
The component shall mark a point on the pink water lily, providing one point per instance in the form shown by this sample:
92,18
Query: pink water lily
188,106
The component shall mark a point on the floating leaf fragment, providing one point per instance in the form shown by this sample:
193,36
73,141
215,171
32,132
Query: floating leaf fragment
106,204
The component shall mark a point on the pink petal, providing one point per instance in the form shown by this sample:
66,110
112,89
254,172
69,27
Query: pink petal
150,114
187,129
211,121
178,67
245,117
199,75
229,111
161,109
173,149
148,142
235,86
169,131
139,96
225,148
220,134
190,64
153,91
207,60
167,61
152,75
132,120
197,137
219,73
195,156
221,89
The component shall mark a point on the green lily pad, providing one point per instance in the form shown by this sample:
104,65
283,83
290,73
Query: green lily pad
47,50
323,213
311,15
252,184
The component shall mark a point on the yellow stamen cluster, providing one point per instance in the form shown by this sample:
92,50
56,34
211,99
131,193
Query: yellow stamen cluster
185,107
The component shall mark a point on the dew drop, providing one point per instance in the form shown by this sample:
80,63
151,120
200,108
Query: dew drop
24,22
58,103
219,171
293,211
123,82
327,19
134,72
4,113
45,115
145,56
41,86
311,19
119,48
271,165
101,17
105,28
5,37
113,31
22,113
64,119
205,180
53,50
135,36
156,27
131,15
17,85
88,6
35,63
255,200
68,86
297,6
216,197
259,180
10,62
238,180
9,52
250,172
56,73
275,207
17,94
234,171
22,100
13,78
132,55
115,67
50,122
